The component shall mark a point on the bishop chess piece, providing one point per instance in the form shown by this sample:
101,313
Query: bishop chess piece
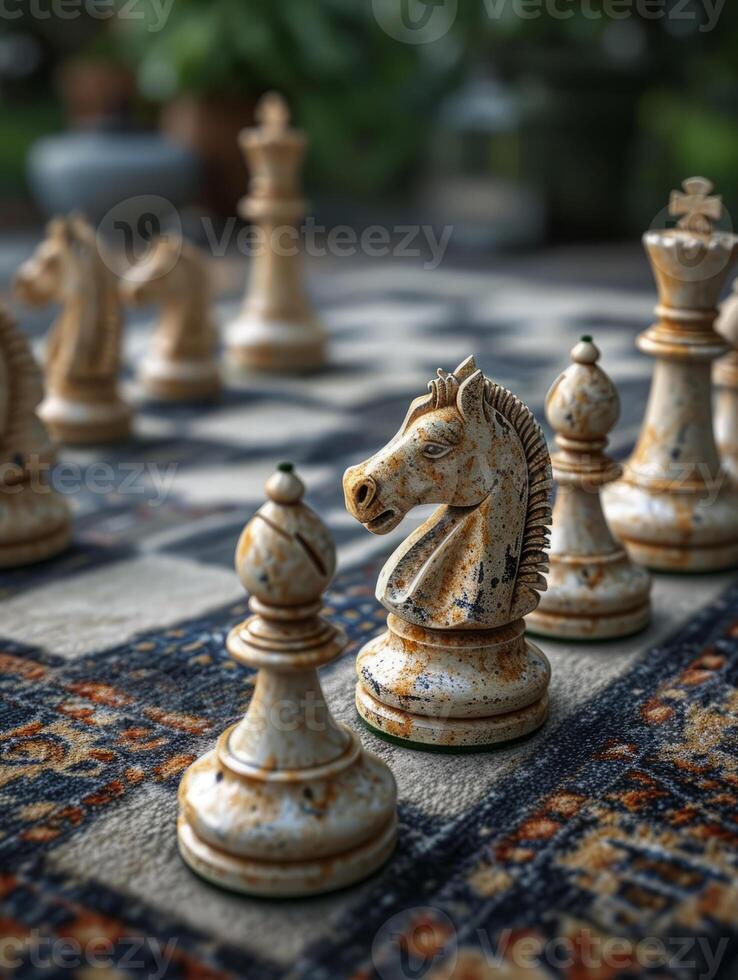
288,803
726,381
34,519
454,669
182,363
675,508
82,403
594,591
277,329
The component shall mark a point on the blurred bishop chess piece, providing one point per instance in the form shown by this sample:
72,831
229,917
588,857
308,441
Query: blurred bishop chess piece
182,363
726,381
277,329
82,403
35,522
594,591
454,669
288,803
675,507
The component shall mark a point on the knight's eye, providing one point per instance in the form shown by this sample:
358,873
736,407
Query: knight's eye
434,450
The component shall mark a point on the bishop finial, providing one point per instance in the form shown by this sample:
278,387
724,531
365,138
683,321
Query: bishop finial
695,207
272,113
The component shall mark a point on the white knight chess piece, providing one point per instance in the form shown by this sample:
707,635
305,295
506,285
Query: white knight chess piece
454,669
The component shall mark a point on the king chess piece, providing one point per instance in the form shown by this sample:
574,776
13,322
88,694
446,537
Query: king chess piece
726,381
35,523
82,403
454,669
277,329
675,508
288,803
182,363
594,591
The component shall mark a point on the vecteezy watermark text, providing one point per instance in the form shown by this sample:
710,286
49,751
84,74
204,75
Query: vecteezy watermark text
154,12
148,956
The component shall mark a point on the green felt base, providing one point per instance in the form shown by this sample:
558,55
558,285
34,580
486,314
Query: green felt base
445,749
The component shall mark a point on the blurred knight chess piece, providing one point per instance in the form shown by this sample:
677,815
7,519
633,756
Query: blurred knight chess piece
277,329
726,381
182,363
288,803
454,669
82,403
35,522
675,508
594,591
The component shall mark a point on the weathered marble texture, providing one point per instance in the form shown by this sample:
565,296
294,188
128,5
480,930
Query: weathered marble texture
594,590
454,668
288,803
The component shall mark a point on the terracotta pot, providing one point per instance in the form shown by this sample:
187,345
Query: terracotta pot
210,125
95,91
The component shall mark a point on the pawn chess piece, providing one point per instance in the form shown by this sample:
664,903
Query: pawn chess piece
35,523
454,669
288,803
594,591
675,508
82,403
726,381
277,329
182,363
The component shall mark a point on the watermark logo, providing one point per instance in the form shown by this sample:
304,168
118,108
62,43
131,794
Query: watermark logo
416,944
155,13
415,21
131,229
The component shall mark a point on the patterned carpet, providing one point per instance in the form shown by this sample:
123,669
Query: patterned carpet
604,847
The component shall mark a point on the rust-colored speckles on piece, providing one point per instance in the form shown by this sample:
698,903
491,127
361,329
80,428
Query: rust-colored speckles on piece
450,670
288,803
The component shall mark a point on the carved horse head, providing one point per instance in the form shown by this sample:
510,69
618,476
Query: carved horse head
173,273
67,268
475,449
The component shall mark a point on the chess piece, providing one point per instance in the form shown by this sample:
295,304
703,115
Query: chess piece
277,329
675,508
454,669
594,591
288,803
182,364
34,520
82,403
726,381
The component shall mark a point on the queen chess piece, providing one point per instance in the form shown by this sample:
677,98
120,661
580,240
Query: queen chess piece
277,329
675,508
288,803
594,591
35,522
454,669
82,403
726,382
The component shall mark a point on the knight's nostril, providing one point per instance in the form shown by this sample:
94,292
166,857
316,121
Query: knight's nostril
363,493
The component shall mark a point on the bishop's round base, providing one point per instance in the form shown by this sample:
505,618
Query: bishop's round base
180,381
284,879
598,598
276,345
676,532
85,423
33,526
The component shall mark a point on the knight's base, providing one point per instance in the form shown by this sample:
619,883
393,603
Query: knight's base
33,526
276,346
600,597
284,879
83,423
448,734
452,688
678,531
180,381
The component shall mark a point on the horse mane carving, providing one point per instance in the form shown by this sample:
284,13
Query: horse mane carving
22,390
480,560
